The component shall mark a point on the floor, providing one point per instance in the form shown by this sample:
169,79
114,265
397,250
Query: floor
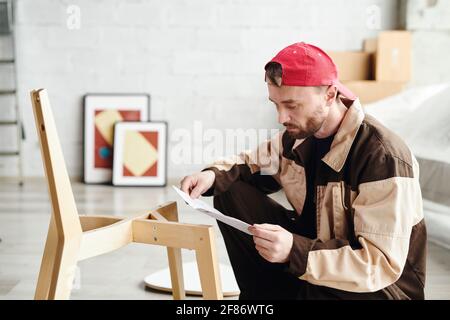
24,217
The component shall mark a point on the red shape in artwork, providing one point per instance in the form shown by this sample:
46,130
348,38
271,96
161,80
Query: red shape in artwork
126,172
151,172
152,137
130,115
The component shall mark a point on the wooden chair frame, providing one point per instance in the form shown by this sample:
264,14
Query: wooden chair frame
72,238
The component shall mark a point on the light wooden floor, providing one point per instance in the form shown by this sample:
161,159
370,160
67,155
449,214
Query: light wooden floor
24,217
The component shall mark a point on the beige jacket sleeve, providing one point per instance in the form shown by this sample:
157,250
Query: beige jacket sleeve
259,167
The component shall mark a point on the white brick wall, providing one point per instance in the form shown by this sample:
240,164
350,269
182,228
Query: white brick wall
429,22
7,105
7,77
6,47
199,59
428,15
430,59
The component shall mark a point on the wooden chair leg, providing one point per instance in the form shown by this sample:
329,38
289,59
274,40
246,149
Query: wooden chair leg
66,264
46,274
170,213
58,266
176,273
208,267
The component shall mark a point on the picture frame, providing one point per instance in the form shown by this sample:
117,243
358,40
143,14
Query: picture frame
101,112
140,154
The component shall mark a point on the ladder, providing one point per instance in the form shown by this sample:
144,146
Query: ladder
10,116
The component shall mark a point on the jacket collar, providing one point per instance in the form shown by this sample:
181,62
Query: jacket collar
300,150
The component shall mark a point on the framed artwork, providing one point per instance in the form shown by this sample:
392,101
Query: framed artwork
140,154
101,112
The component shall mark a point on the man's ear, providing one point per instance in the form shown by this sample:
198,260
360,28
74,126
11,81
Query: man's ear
331,94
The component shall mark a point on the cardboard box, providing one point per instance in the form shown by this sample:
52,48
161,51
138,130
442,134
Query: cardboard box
393,56
382,69
370,45
352,65
386,58
370,90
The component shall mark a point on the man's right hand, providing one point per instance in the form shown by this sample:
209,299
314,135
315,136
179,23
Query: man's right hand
197,184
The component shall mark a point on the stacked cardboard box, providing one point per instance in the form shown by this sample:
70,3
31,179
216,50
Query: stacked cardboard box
382,69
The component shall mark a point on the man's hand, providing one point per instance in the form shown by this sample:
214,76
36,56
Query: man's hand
273,242
197,184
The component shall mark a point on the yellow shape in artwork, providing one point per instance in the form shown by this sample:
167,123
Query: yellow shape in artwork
138,154
104,121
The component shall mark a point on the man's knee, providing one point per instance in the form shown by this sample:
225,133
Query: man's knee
238,187
238,192
238,199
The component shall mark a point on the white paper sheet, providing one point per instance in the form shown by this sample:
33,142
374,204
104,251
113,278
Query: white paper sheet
212,212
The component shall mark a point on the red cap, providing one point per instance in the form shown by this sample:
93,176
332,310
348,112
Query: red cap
307,65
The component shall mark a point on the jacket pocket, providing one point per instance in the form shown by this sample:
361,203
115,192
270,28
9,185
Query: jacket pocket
293,180
340,209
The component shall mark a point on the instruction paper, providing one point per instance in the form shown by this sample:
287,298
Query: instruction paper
212,212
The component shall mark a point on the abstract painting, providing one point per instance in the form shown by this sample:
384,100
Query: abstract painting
101,112
140,153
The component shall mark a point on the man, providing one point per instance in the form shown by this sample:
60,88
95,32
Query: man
357,228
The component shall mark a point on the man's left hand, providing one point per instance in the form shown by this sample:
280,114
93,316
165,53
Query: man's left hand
273,242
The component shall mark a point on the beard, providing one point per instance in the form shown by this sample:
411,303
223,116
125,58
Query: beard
312,126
